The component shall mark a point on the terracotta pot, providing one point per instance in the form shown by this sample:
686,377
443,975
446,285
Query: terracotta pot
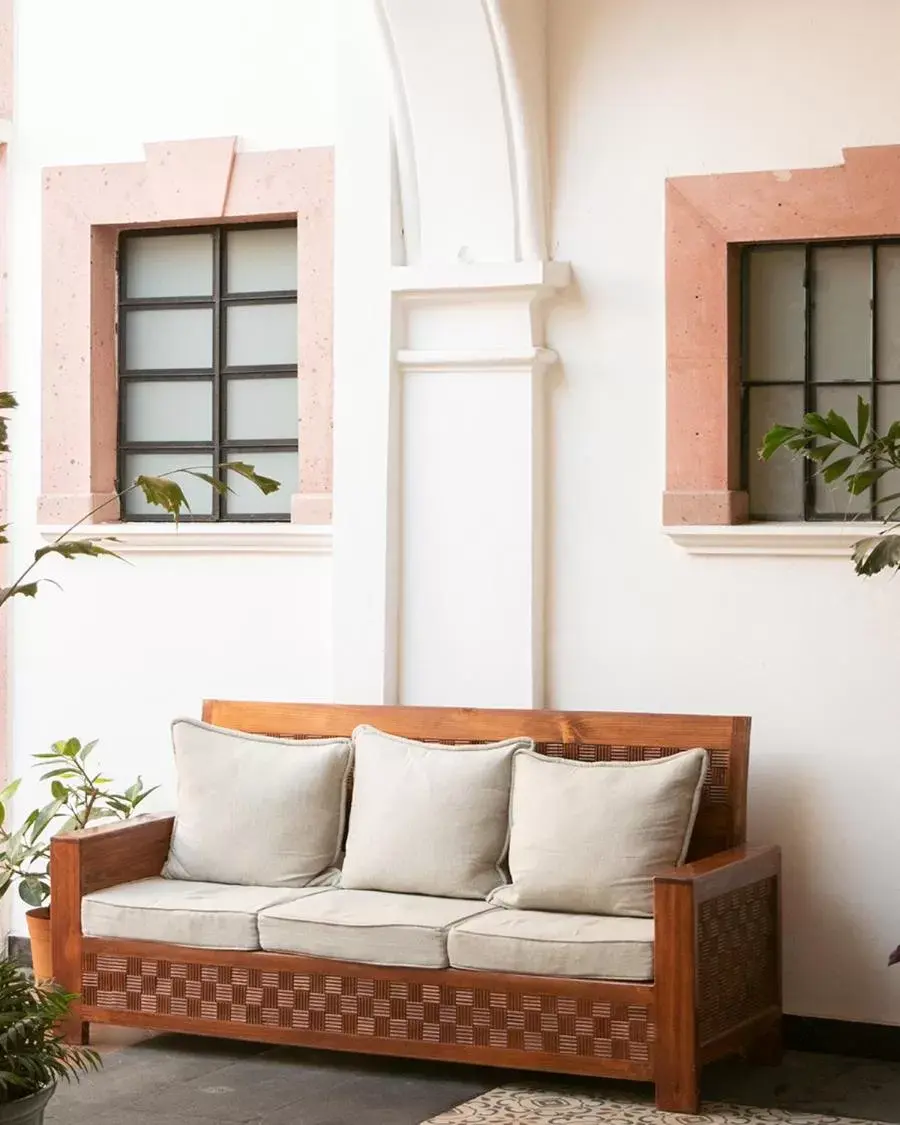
26,1111
39,932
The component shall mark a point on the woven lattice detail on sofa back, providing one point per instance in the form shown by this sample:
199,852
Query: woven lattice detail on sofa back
738,957
369,1008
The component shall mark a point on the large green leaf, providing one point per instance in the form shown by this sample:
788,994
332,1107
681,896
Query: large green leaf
163,493
220,486
776,438
836,469
264,484
876,553
72,548
858,483
34,890
840,427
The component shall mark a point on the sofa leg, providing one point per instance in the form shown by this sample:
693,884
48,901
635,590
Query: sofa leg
679,1096
767,1049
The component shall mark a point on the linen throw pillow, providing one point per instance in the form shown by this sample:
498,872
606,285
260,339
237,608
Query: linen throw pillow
427,818
587,837
257,811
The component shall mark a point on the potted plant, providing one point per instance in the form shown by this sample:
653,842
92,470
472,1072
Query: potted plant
33,1055
78,797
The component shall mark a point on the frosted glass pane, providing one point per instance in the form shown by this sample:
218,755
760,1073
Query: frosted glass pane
888,343
246,499
776,486
169,265
259,335
168,339
168,411
776,326
841,315
260,261
261,408
888,412
198,492
834,499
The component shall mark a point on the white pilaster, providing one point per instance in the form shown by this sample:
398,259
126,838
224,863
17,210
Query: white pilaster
473,472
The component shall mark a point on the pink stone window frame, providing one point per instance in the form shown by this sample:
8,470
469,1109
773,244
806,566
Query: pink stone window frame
708,219
181,183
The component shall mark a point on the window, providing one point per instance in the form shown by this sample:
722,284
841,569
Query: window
207,364
820,326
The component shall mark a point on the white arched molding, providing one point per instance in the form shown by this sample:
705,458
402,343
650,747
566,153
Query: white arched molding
439,537
468,79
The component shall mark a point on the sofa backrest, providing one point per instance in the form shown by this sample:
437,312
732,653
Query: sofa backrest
587,736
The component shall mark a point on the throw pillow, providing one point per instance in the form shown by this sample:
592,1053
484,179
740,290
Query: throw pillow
587,837
428,818
258,811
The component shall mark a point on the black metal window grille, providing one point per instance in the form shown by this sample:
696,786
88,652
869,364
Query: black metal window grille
820,325
214,372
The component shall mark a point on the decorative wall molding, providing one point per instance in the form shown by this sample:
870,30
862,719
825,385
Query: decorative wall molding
487,361
197,181
204,539
471,155
708,218
823,540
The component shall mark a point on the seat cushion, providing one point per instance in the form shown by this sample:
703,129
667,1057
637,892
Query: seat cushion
209,915
371,927
588,837
554,945
426,818
254,810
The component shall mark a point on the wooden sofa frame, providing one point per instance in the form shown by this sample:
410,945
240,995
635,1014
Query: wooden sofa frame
716,989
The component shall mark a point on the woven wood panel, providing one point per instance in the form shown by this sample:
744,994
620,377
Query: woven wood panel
363,1008
738,957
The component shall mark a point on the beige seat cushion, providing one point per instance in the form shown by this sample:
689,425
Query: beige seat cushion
258,811
587,837
209,915
554,945
428,819
366,926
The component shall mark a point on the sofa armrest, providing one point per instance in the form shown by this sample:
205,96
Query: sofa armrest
725,871
718,956
107,854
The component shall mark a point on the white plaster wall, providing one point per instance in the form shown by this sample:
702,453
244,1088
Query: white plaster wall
641,90
126,647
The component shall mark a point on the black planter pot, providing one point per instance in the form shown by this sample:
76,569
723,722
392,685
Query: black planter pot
26,1111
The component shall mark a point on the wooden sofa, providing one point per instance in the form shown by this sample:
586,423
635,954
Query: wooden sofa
716,986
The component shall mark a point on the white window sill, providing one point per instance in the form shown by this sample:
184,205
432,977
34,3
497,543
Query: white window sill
825,540
208,538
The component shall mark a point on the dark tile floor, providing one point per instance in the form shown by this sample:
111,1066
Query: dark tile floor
172,1080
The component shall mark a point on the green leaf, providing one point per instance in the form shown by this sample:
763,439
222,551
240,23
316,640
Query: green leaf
863,413
59,790
836,469
876,553
220,486
8,400
816,424
163,493
860,482
71,549
34,890
264,484
27,589
85,750
840,427
10,790
823,452
63,771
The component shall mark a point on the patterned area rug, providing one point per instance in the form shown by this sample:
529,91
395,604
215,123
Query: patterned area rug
530,1105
